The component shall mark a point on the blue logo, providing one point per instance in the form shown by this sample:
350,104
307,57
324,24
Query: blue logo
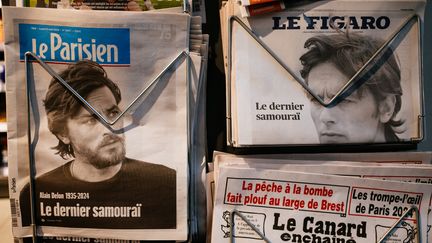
63,44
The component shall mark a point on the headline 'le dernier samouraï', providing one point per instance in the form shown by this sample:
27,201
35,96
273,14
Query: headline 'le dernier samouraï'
86,211
75,51
278,107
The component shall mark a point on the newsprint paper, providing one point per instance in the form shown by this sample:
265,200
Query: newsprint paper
317,49
124,181
414,173
286,206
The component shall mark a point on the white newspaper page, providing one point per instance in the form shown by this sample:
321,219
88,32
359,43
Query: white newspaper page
393,172
323,45
301,207
122,181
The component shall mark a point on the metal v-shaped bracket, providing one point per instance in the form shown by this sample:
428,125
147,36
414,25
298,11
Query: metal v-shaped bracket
351,83
102,118
29,57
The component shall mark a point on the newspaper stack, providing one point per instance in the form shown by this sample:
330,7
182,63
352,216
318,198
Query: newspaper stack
199,55
324,72
277,199
101,133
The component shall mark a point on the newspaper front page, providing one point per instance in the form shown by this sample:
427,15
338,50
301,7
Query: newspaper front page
318,48
286,206
413,173
122,181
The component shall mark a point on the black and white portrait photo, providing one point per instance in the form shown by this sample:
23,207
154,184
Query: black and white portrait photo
369,113
98,184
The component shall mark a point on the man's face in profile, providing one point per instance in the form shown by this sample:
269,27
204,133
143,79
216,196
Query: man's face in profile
354,120
91,141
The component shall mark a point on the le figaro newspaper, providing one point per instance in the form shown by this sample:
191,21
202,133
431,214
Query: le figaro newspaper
317,49
127,180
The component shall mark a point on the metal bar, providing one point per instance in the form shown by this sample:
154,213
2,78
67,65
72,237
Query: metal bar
32,170
235,212
186,7
405,214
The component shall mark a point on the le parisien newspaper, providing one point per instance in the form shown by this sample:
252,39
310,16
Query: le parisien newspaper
138,186
292,205
275,107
